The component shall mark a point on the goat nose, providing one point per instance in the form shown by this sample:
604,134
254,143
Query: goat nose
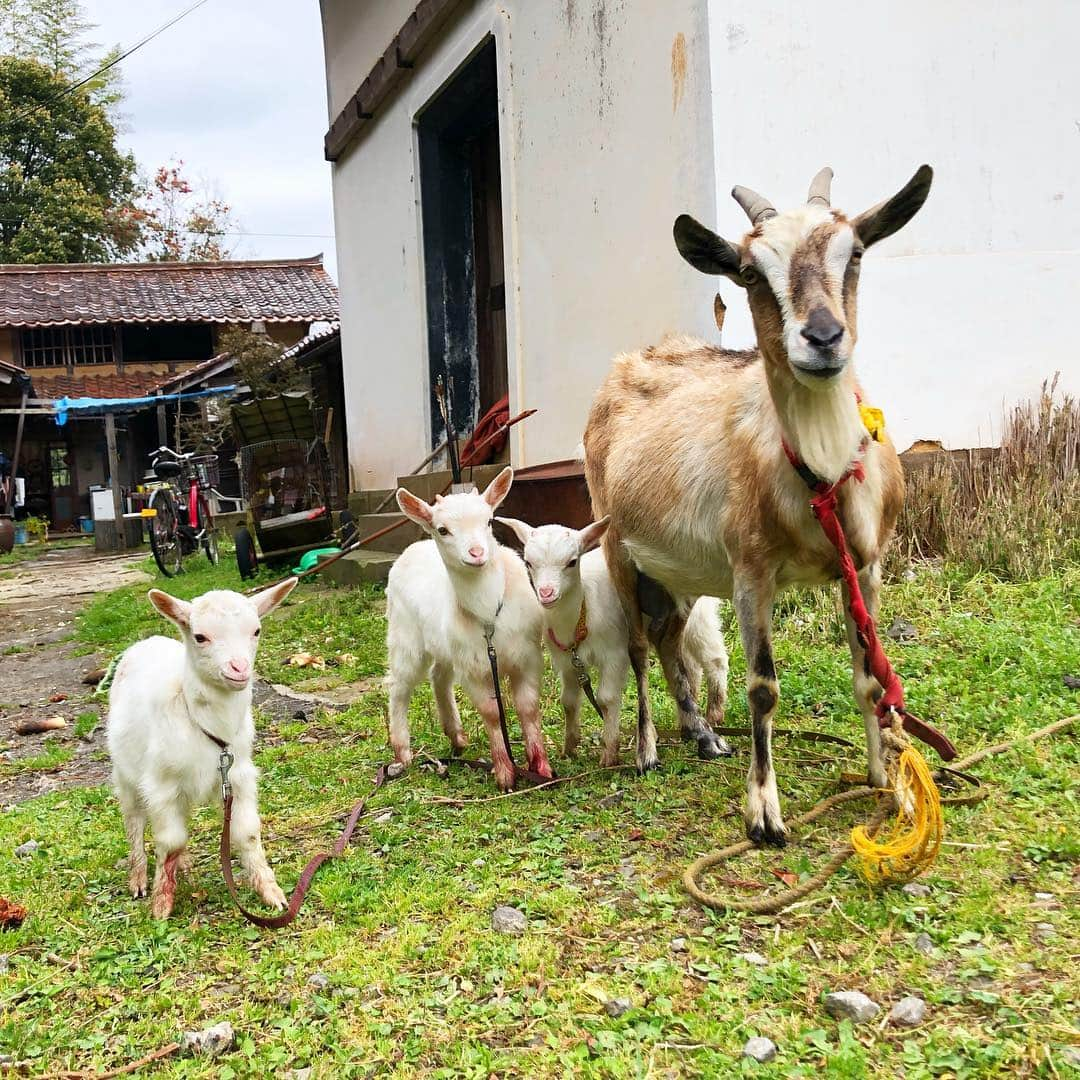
546,592
822,328
239,668
477,552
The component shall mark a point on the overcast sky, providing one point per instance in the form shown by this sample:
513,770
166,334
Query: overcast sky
237,90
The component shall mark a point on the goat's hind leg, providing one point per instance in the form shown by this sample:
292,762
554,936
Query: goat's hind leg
667,631
753,606
624,576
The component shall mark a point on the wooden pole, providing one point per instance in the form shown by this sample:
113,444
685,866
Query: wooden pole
162,425
9,499
114,481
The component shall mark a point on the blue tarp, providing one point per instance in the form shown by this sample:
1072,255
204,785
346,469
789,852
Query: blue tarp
65,405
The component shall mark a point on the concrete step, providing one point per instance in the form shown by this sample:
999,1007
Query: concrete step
396,541
360,567
428,485
365,502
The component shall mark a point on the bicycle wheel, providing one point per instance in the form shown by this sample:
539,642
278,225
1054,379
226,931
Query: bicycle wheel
164,534
206,525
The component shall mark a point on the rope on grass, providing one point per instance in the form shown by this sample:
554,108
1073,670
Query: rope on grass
770,905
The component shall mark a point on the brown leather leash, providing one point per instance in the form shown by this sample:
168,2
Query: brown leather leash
276,922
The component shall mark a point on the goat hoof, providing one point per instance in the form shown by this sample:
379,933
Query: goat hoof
766,835
711,746
648,765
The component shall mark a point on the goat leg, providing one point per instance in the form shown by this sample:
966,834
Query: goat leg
753,606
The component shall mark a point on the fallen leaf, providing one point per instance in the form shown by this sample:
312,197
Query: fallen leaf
92,678
786,876
57,698
306,660
12,915
347,658
636,834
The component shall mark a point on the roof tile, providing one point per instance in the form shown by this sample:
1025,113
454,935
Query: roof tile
223,292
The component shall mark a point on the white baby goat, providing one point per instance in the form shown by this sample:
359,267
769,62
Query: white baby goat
442,595
167,698
571,579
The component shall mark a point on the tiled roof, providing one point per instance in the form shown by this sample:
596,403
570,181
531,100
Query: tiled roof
105,385
191,375
318,333
282,290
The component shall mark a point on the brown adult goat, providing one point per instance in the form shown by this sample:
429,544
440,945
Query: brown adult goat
684,449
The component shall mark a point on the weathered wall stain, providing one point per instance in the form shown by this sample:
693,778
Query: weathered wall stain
678,70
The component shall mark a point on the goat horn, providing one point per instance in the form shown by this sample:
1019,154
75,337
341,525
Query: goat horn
757,207
819,187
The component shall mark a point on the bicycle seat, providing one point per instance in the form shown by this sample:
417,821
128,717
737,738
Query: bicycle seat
166,470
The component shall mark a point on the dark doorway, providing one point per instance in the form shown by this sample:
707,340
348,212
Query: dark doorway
461,202
61,487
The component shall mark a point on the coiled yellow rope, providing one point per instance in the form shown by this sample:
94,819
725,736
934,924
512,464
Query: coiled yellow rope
913,842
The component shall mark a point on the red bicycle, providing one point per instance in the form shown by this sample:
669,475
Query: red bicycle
180,519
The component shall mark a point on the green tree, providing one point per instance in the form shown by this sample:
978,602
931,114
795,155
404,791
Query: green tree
66,190
56,34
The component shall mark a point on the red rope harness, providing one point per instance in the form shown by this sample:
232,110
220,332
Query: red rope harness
824,506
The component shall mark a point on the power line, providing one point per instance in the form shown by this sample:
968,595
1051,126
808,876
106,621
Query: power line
112,63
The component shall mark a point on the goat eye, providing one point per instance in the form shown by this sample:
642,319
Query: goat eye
571,564
258,631
528,565
749,275
856,255
202,639
443,530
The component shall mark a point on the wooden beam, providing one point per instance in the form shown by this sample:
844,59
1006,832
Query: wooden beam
114,481
389,71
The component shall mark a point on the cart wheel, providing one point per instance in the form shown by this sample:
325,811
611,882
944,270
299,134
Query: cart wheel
246,559
347,527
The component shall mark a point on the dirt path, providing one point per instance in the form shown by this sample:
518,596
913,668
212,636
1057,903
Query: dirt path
39,660
38,604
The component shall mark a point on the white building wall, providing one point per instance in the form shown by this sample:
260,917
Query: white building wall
605,137
967,309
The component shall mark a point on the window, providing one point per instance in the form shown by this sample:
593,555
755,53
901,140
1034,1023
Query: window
172,342
66,346
59,472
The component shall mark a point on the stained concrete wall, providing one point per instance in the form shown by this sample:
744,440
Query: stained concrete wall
615,117
967,308
605,138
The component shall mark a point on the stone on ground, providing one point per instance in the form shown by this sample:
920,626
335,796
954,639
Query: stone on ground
211,1042
27,849
760,1049
615,1007
851,1005
754,958
917,888
508,920
909,1011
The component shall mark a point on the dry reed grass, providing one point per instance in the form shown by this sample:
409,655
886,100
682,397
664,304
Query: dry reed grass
1013,512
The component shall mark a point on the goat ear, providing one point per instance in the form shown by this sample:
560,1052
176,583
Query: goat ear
499,488
592,534
521,530
414,508
703,249
176,611
893,214
268,599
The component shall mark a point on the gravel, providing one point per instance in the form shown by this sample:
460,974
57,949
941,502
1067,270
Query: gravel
760,1049
508,920
909,1011
851,1005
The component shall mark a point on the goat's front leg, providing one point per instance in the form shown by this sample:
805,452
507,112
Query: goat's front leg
525,686
753,606
867,688
169,827
609,696
246,836
570,698
502,767
406,673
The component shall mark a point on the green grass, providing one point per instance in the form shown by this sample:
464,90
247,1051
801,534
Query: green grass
51,757
85,723
28,552
419,983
